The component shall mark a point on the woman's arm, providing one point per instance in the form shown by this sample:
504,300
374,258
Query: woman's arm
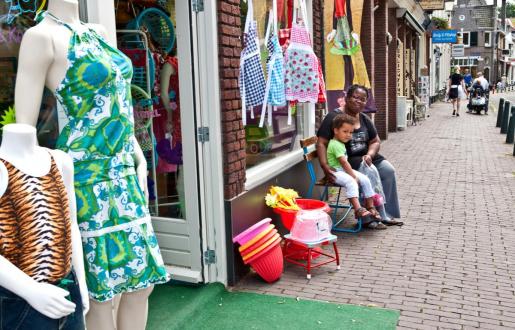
141,167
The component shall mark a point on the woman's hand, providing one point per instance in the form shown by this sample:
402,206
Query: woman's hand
367,159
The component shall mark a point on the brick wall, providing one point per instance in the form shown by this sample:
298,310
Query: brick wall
229,32
381,69
392,70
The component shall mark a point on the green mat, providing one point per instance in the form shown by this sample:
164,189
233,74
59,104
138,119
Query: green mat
213,307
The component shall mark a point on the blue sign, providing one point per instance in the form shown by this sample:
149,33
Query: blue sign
444,36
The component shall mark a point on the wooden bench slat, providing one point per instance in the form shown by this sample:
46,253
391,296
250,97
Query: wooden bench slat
311,155
308,141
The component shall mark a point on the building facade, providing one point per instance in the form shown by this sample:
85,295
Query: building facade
477,27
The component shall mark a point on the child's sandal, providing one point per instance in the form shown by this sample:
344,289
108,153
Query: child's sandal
362,212
374,213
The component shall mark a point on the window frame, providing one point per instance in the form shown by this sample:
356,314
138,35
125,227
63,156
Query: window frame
466,45
489,43
476,33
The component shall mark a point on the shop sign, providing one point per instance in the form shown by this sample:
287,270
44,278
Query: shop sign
400,69
444,36
432,4
458,50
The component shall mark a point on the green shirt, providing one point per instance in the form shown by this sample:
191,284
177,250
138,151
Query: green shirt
335,150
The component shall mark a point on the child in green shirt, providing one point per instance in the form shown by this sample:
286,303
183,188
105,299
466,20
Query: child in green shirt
345,176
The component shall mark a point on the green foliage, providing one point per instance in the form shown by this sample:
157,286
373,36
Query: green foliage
8,117
440,23
510,10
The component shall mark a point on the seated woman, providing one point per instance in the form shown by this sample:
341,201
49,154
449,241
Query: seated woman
364,146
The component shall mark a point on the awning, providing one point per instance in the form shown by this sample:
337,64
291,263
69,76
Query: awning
404,13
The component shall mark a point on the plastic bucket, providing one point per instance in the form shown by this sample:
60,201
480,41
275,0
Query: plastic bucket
288,216
271,241
270,264
249,246
250,232
258,237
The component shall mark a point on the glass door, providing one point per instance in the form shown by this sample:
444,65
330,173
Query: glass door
157,36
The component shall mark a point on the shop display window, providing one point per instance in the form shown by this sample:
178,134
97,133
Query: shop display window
279,138
16,17
146,34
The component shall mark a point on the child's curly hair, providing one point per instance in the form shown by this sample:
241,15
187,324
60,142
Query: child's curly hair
341,119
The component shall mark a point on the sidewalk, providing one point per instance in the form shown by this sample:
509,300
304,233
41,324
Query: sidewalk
452,265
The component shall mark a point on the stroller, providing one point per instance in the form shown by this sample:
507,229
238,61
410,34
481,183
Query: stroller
478,99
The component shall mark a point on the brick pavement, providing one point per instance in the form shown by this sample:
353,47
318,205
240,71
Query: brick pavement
452,265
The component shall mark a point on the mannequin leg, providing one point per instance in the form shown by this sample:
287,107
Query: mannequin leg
133,310
100,315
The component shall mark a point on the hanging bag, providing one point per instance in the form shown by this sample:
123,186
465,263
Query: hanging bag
252,78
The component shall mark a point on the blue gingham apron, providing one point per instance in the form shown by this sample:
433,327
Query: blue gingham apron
252,78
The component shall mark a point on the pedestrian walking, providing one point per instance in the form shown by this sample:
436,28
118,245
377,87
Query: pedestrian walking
453,90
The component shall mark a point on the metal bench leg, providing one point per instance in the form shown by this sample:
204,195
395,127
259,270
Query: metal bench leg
309,264
337,256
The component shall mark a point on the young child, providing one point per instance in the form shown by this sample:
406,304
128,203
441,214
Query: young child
343,126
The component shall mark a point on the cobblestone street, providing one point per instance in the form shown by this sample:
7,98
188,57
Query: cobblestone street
452,265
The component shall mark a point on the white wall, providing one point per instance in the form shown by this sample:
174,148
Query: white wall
102,12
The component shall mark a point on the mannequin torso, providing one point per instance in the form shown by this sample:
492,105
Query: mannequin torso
19,148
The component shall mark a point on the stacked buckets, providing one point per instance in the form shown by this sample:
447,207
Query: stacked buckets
260,246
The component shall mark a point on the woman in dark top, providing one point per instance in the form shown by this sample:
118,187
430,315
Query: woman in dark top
454,84
364,146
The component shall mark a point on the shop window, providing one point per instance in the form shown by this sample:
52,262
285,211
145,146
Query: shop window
278,138
16,17
151,46
488,39
473,38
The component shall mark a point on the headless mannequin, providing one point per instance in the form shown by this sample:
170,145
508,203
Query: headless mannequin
50,40
20,148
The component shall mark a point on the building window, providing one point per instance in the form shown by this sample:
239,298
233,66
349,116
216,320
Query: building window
488,39
473,38
466,38
278,138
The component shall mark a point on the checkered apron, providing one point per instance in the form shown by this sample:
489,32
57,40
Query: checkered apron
301,68
274,91
252,78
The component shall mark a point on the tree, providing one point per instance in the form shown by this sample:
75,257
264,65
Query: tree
510,10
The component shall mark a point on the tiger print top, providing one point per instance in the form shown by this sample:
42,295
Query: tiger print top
35,225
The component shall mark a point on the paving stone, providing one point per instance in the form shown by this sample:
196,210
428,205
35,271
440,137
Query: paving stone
452,265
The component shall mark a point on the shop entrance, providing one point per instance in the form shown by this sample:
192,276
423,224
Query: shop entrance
157,36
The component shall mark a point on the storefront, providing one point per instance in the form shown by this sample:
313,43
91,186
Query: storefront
186,202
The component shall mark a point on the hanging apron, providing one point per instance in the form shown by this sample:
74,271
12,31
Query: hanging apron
301,68
274,91
252,78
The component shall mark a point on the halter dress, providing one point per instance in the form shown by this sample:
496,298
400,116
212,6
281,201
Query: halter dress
121,252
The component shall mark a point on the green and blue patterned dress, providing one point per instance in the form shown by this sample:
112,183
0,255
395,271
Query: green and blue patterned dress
120,248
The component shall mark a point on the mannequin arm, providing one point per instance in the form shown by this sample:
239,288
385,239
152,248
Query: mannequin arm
166,72
47,299
141,167
77,255
36,55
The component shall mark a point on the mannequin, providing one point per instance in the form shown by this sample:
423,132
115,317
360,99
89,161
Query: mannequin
19,148
91,81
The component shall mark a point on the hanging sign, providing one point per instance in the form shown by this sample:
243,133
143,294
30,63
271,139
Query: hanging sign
444,36
432,4
458,50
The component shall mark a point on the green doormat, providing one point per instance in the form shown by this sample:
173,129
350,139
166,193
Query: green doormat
212,307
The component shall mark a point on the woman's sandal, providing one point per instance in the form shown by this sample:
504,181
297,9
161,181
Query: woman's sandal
392,222
361,212
376,225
